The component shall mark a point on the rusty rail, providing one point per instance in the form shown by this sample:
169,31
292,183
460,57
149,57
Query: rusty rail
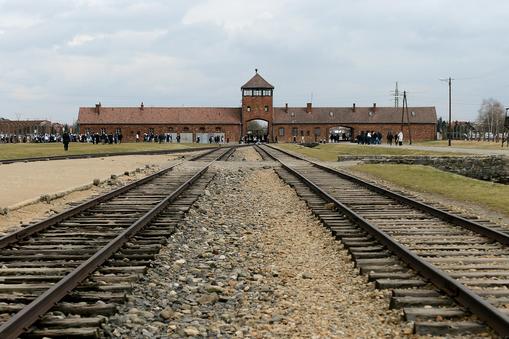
464,296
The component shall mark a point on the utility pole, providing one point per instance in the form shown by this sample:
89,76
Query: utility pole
405,107
449,127
396,96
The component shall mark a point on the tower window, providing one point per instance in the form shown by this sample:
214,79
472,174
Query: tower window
267,92
257,93
248,92
248,108
266,108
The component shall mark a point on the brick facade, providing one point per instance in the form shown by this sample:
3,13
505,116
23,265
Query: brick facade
308,123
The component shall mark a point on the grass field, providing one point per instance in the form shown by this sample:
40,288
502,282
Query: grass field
463,144
430,180
15,151
330,152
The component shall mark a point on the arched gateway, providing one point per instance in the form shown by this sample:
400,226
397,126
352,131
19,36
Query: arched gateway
257,104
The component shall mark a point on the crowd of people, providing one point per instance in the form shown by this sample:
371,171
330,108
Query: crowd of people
31,138
375,138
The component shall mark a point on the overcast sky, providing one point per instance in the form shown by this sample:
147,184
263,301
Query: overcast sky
58,55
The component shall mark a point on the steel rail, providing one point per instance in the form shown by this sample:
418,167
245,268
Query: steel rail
108,154
492,234
464,296
227,155
199,156
22,320
42,225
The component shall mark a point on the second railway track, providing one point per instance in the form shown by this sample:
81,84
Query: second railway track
449,274
77,265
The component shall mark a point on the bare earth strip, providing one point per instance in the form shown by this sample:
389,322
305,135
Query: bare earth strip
24,181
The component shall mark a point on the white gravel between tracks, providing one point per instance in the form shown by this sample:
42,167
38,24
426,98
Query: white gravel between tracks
250,260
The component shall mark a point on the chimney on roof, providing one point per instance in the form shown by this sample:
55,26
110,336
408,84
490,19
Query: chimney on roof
286,107
353,107
142,106
374,106
308,107
98,108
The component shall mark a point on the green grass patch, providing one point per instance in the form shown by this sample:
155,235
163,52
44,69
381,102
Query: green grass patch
330,152
430,180
16,151
463,144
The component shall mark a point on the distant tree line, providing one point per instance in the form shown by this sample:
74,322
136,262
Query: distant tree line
489,125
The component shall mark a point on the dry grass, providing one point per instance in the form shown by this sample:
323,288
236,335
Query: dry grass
15,151
430,180
464,144
330,152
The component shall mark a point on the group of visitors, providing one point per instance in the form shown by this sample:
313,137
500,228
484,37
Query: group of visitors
369,138
398,138
375,138
29,138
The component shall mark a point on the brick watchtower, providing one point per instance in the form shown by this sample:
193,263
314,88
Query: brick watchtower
257,102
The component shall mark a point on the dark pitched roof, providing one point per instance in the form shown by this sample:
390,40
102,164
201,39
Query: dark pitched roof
257,82
159,115
345,115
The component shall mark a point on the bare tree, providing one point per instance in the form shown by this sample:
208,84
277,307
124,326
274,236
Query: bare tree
490,120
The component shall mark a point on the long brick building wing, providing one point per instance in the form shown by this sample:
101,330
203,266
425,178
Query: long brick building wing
257,118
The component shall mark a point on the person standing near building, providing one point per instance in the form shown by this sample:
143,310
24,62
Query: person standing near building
400,138
66,139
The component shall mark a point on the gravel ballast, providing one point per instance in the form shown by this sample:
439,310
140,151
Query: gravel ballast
251,260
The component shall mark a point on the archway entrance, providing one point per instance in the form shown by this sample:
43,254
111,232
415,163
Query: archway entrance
257,131
340,133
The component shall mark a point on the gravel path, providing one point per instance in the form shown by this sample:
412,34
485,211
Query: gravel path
250,260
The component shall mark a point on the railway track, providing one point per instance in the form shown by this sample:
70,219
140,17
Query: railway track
450,275
60,277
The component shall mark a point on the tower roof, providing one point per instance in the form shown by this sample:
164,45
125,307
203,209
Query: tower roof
257,82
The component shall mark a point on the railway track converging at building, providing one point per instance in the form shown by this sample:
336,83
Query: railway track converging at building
83,260
449,274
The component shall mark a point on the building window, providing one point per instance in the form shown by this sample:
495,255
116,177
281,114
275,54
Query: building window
202,129
295,131
331,114
317,131
248,108
150,131
301,133
170,129
308,133
118,131
257,92
267,92
218,129
185,129
266,108
103,130
248,92
281,131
